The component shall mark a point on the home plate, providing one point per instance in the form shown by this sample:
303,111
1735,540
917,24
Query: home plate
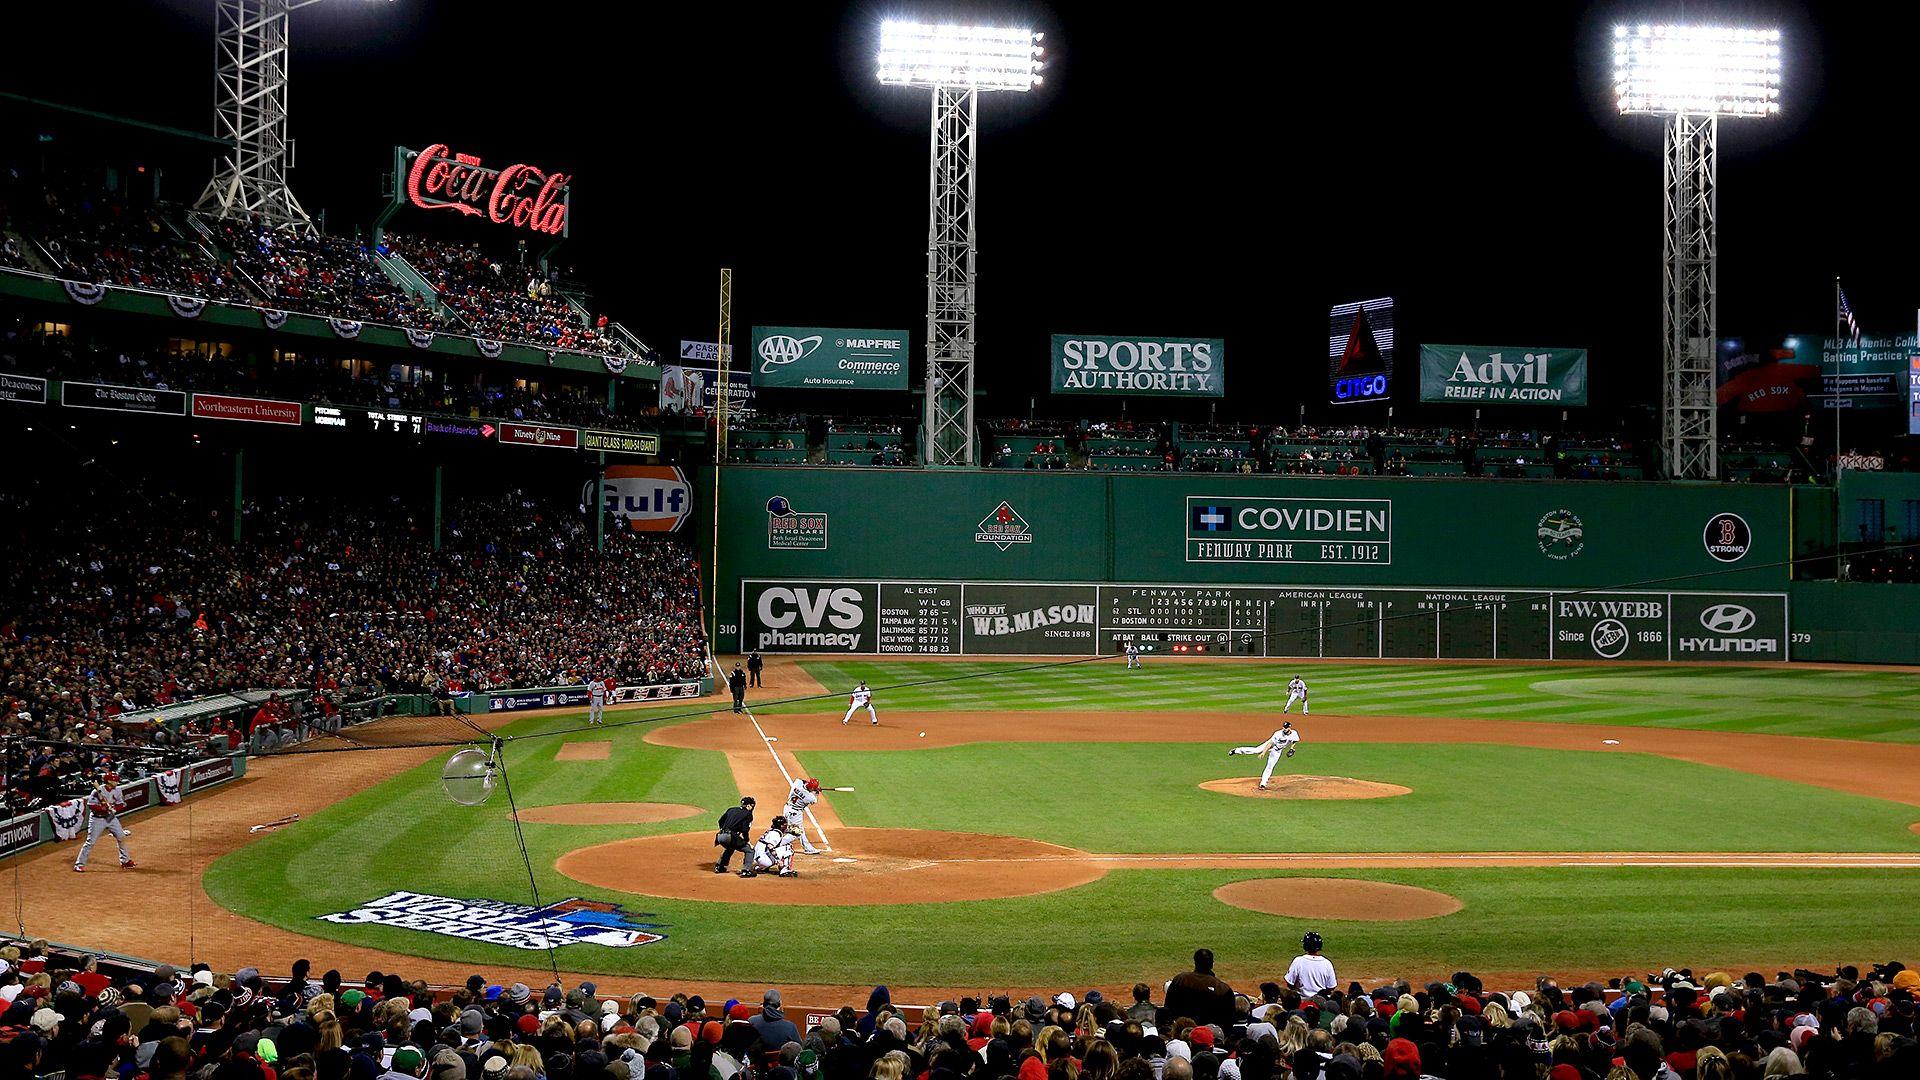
1610,742
843,858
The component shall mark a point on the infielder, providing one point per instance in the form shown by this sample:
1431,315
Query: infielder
1280,745
774,851
597,701
805,792
862,699
104,803
1297,691
1133,656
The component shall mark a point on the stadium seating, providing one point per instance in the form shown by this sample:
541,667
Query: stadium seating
77,1013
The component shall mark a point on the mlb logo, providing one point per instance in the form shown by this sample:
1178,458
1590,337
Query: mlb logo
1211,518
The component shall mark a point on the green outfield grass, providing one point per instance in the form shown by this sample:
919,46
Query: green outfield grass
1145,797
1865,703
404,834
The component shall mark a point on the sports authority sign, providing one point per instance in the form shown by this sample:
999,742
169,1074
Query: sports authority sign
519,195
823,357
1280,530
1497,375
1169,367
252,410
517,926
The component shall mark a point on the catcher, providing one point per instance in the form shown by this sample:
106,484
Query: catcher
774,852
1281,745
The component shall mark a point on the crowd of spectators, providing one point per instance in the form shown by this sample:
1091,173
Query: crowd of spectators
103,239
63,1014
313,377
499,301
320,274
107,608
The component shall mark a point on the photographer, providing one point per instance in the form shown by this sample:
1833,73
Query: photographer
736,833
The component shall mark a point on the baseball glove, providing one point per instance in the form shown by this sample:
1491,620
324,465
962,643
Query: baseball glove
1289,751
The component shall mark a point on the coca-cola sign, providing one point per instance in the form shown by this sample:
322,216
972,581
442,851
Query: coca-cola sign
520,195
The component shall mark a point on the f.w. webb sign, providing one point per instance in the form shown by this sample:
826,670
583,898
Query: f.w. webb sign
1173,367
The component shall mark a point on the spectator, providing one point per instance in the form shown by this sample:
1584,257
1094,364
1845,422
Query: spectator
1310,973
1200,994
773,1027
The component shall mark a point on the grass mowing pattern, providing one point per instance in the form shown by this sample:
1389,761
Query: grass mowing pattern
1866,703
1065,793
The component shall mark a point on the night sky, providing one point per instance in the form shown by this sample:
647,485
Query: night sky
1185,170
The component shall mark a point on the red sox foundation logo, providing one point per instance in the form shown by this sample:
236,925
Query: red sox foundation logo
1003,528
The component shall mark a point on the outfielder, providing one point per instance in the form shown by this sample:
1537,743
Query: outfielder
862,699
774,851
1133,656
805,792
1280,745
597,701
104,803
1297,691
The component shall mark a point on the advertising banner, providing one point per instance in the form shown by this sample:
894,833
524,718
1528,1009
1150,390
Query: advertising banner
705,352
23,389
1503,375
251,410
80,395
620,442
823,357
815,617
1166,367
1027,619
1284,530
684,389
1360,351
544,435
1866,374
649,498
1769,379
1913,395
19,834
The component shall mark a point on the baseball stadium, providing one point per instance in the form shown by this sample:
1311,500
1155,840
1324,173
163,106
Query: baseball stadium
417,668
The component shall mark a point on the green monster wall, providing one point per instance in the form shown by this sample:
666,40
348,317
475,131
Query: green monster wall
1421,544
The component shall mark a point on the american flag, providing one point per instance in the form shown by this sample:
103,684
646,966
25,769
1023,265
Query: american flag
1846,316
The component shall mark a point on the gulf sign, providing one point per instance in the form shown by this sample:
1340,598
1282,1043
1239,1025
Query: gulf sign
649,498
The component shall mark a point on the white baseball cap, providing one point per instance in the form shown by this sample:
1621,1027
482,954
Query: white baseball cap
1064,1000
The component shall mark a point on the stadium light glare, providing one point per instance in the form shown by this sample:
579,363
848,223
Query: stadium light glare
955,55
1665,70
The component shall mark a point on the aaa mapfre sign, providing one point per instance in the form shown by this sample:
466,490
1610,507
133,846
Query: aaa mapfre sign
520,195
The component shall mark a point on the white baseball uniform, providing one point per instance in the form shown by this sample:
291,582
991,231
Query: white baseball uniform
1275,748
774,851
103,815
798,799
1133,655
597,701
1297,691
862,699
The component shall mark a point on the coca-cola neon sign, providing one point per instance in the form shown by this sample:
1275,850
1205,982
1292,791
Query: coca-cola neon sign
519,195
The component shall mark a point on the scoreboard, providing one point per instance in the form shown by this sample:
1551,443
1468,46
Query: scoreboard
1015,618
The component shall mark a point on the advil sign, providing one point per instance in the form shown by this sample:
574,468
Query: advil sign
519,195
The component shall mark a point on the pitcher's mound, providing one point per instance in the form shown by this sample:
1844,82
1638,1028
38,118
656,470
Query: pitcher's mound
866,866
1336,898
1915,827
606,813
1307,787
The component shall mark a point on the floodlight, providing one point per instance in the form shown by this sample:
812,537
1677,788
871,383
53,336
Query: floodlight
1696,70
958,56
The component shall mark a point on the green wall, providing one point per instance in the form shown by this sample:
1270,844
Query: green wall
1856,622
891,524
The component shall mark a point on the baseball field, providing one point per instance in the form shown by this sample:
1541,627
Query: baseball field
1013,825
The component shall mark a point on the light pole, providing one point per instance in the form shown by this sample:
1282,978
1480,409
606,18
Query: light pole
250,108
956,63
1692,76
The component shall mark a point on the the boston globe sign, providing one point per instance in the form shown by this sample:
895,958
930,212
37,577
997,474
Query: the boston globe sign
1172,367
829,358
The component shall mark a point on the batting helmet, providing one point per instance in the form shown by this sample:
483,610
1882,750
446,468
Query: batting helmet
812,784
780,822
1311,942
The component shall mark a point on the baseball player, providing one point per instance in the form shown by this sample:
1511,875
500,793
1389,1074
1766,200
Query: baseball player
597,701
1133,656
1297,691
104,803
862,699
805,792
773,851
1280,745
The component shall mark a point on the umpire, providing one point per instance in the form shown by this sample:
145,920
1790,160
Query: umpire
736,833
754,665
737,682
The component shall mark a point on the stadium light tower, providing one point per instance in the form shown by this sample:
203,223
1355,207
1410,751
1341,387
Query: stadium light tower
250,108
1692,76
957,63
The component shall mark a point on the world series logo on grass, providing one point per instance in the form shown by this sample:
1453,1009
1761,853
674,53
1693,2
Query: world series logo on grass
574,921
